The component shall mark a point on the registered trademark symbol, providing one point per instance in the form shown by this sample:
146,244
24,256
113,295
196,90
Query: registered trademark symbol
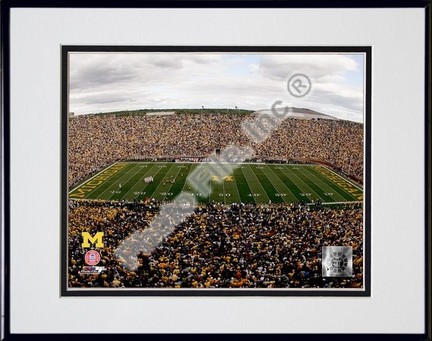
299,85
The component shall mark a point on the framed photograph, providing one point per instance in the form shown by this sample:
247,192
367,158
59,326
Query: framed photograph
208,199
257,164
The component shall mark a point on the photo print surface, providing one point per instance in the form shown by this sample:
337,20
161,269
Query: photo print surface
215,171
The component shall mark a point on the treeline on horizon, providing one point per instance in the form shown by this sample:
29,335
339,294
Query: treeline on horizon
142,112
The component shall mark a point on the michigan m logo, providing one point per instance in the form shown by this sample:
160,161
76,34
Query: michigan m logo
96,239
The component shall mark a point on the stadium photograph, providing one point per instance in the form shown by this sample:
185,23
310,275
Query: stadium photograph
205,171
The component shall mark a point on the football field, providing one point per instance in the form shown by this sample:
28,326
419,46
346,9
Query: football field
248,183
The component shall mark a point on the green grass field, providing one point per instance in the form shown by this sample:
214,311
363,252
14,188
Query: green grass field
249,183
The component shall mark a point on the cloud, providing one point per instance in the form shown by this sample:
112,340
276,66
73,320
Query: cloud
317,67
332,92
125,81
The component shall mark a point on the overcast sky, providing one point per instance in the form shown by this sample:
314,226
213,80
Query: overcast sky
103,82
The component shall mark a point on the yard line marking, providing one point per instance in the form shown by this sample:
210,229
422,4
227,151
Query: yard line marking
120,180
264,193
269,185
179,170
301,180
283,184
150,195
223,187
326,187
138,183
177,186
175,179
187,176
285,178
217,189
234,184
154,195
240,169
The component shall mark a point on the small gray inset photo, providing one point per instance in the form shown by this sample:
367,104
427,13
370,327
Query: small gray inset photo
337,261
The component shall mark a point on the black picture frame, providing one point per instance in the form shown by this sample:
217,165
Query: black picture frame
6,7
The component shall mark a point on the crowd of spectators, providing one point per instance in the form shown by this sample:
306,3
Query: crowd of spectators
219,246
97,141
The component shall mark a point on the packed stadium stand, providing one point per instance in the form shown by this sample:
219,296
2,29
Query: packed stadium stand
96,141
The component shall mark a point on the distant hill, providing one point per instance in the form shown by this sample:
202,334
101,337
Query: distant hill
303,113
